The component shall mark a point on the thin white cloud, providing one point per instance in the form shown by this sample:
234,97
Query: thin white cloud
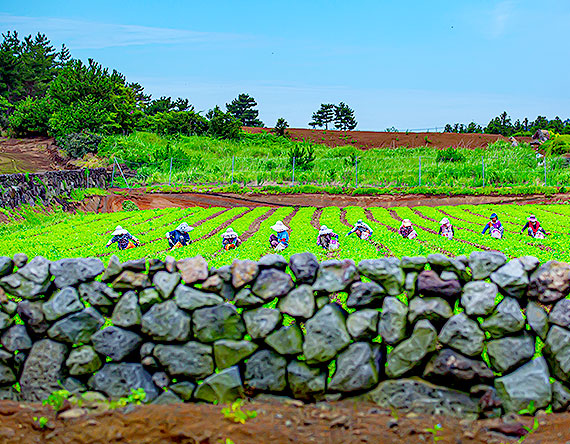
79,34
501,15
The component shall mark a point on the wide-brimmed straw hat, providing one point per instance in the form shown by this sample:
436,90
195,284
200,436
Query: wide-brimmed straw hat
119,230
325,230
407,223
494,215
229,233
279,227
184,227
532,218
444,221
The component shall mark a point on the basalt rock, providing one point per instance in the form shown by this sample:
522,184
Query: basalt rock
483,263
117,381
478,298
335,275
299,303
550,283
266,370
193,269
506,319
326,334
304,266
191,359
127,312
166,322
69,272
190,299
393,321
462,334
386,272
63,302
512,279
272,283
165,283
261,321
356,368
78,327
225,386
452,368
219,322
243,272
116,342
363,324
431,285
363,294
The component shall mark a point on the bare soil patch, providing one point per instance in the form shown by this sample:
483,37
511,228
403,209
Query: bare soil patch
33,155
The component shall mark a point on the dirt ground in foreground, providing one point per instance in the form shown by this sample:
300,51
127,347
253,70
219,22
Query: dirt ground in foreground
376,139
227,200
276,422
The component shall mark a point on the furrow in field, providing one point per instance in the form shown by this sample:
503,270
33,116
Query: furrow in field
316,219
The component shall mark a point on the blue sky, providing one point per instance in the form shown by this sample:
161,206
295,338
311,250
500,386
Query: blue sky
409,64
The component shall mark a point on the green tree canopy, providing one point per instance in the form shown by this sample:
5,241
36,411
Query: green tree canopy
344,117
243,109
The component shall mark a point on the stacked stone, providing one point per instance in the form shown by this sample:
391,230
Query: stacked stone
28,189
413,334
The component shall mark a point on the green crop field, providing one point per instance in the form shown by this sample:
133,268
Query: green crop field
58,235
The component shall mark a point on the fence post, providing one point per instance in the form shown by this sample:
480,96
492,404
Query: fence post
113,175
483,168
233,163
544,170
356,167
420,172
293,181
122,174
170,174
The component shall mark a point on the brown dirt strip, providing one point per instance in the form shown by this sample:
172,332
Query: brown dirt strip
316,219
380,248
287,219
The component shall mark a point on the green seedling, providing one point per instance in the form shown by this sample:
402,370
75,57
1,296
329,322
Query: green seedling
136,397
42,421
57,399
235,413
434,432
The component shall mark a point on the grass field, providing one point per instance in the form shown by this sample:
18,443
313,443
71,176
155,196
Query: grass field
59,235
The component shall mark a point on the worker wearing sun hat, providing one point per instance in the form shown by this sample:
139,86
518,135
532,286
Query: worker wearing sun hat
494,226
534,229
406,230
230,239
446,229
362,230
327,238
279,241
179,237
123,239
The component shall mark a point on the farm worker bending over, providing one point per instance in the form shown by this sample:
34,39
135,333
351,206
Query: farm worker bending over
446,229
495,227
230,239
327,238
406,230
179,237
533,228
362,230
279,241
123,238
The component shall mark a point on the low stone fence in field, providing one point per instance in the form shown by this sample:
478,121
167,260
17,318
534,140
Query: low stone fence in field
466,337
29,188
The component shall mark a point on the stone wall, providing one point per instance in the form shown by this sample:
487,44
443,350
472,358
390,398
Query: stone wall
434,335
20,189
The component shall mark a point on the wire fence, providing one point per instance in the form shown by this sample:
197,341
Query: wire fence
356,171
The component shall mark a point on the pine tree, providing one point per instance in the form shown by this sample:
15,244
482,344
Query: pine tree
344,117
323,116
242,108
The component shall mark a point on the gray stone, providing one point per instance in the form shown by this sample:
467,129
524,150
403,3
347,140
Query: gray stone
529,263
83,361
6,266
286,341
20,259
478,298
129,280
149,297
417,396
62,303
228,352
447,267
113,269
127,312
138,265
363,324
167,398
8,306
411,352
306,382
507,318
214,284
219,322
393,321
410,284
384,271
529,383
115,342
335,275
146,349
462,334
356,368
417,263
506,354
74,386
16,338
304,266
78,327
557,351
155,265
183,389
321,301
117,381
363,294
560,397
6,320
69,272
190,299
435,310
243,272
560,314
29,282
245,298
194,269
261,321
266,370
166,322
98,294
170,264
273,261
537,318
225,272
326,334
431,285
550,283
42,370
31,314
271,284
7,376
512,279
165,282
5,357
449,276
191,359
483,263
299,303
451,368
225,386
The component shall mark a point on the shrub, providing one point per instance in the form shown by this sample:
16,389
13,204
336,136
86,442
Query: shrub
175,122
304,157
83,115
450,155
76,145
31,116
129,205
557,145
223,125
281,127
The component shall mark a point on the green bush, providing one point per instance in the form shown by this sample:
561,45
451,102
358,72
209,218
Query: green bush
304,157
76,145
31,117
187,123
129,205
223,125
83,115
450,155
557,145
